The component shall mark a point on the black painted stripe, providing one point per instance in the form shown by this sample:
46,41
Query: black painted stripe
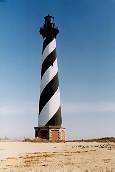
46,42
56,120
48,61
48,92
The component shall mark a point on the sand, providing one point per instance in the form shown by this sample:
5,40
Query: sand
57,157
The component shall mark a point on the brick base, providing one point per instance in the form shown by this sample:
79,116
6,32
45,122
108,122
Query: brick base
51,133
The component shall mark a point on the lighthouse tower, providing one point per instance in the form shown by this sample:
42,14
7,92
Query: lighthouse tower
49,118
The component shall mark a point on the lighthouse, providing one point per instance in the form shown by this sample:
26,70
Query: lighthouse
49,117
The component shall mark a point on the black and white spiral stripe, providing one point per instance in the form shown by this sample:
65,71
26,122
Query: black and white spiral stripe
49,103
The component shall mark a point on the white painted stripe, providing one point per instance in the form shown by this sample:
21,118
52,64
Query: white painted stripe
49,109
49,48
48,75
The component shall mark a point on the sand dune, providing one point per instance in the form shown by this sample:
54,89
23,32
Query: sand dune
57,157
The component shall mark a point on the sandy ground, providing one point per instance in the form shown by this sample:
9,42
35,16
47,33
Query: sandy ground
57,157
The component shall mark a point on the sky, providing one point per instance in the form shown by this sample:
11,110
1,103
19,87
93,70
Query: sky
86,60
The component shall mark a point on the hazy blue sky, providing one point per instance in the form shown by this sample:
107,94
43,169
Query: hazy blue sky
86,59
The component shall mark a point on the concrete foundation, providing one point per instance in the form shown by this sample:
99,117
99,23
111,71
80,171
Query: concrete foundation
50,133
